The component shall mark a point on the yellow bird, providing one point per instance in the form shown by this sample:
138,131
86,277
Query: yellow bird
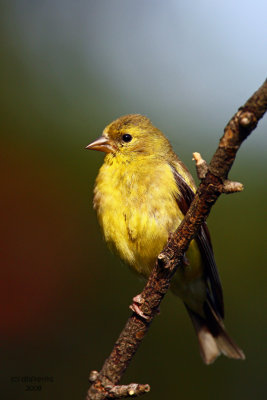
141,195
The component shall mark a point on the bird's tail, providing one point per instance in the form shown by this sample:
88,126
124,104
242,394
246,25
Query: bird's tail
212,336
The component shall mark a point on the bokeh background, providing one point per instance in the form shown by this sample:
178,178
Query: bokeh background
68,68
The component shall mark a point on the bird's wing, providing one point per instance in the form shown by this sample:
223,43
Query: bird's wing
204,243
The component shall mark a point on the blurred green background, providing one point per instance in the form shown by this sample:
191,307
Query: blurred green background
69,68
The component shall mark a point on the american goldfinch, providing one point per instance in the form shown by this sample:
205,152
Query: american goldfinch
141,195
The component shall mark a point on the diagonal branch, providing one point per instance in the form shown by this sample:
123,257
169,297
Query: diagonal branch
213,182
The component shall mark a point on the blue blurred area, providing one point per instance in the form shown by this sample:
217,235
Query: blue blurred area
70,68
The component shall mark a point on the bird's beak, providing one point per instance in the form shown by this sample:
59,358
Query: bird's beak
101,144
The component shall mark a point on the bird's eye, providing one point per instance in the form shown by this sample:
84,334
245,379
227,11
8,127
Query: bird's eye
126,137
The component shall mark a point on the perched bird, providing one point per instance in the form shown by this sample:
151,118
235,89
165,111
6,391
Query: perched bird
141,195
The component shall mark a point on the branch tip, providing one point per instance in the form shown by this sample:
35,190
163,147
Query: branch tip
232,187
123,391
201,165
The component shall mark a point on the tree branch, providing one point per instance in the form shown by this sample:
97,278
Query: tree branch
213,182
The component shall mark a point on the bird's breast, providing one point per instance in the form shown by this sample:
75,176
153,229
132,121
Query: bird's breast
136,207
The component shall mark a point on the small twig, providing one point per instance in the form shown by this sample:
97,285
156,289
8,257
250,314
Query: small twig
232,187
201,165
213,183
202,169
132,390
119,391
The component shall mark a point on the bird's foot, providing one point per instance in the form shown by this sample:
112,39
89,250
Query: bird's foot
135,306
138,299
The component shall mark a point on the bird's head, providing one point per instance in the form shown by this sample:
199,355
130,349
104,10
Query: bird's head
131,135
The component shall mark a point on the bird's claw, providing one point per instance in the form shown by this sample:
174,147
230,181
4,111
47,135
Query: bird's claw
138,299
135,306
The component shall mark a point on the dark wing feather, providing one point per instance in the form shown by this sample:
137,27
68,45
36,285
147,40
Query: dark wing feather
204,244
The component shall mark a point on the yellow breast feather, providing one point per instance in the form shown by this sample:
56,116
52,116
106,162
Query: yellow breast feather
134,209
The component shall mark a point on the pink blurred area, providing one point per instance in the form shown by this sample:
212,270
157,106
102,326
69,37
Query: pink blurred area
40,246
